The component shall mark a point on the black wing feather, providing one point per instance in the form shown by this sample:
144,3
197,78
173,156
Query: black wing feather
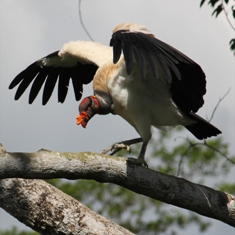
87,72
50,84
63,84
25,79
78,88
37,84
185,77
117,46
127,51
37,74
188,92
21,75
139,57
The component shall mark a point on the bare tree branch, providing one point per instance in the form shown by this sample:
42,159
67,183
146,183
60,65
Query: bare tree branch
49,211
46,164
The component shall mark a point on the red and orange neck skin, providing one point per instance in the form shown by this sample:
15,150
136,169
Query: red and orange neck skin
87,108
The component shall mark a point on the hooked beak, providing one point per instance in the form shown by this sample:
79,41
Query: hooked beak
82,119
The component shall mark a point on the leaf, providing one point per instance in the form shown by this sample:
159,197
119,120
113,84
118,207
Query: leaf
202,2
213,2
233,11
217,10
227,187
232,45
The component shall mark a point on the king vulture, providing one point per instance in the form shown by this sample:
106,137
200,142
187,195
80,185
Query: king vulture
144,80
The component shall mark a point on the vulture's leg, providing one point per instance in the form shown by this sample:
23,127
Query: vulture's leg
140,160
121,145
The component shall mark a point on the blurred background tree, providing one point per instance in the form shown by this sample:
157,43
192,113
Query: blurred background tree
201,162
227,7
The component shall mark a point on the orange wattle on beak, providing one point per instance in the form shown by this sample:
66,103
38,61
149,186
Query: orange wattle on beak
82,119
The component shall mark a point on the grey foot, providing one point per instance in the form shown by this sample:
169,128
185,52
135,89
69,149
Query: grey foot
121,145
116,148
137,161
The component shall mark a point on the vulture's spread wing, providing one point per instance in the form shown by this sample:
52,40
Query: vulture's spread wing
39,73
186,78
76,61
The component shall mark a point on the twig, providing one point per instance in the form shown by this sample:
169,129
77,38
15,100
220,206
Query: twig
226,15
220,99
181,159
204,144
81,21
218,151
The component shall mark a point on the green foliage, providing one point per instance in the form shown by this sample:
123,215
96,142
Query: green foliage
218,10
232,42
226,187
229,11
15,231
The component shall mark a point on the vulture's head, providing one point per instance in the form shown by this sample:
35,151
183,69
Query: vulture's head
87,108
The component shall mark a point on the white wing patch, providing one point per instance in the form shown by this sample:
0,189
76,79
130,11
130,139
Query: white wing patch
87,52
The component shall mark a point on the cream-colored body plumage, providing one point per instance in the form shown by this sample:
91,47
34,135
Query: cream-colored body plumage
159,109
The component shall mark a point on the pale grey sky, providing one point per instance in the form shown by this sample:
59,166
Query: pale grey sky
33,29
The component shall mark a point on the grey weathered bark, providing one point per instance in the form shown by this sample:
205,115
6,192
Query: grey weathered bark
49,211
103,168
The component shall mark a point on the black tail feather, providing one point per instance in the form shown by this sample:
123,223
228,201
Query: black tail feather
202,129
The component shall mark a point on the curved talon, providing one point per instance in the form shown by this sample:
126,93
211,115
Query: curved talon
118,146
126,145
106,150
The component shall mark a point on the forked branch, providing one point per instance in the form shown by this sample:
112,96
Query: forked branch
46,164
